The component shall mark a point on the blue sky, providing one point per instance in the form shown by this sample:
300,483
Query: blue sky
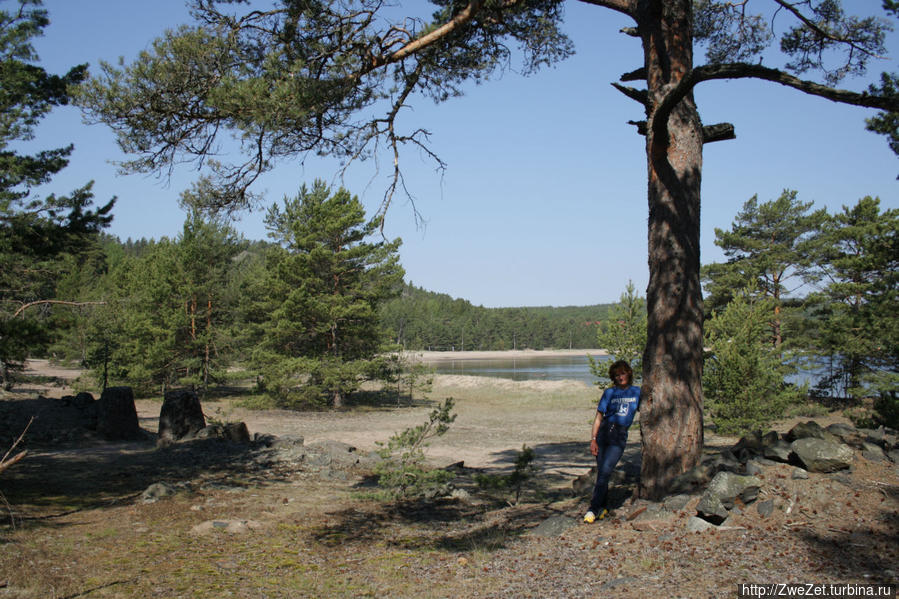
544,199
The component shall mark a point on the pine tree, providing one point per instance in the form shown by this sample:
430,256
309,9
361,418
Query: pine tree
624,334
770,247
324,283
36,234
855,313
743,375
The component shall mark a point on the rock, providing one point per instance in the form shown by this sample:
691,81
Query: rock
213,431
117,416
799,474
751,442
765,508
819,455
157,491
460,495
336,453
841,430
779,451
872,452
287,441
696,524
677,502
725,462
753,468
727,486
711,509
810,430
237,432
583,485
228,526
83,400
553,526
690,480
181,416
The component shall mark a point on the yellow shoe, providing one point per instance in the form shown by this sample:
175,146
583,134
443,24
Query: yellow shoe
589,517
603,514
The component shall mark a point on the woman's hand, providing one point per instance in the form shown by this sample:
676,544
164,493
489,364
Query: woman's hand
594,447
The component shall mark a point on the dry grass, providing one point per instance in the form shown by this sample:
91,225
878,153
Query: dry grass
81,531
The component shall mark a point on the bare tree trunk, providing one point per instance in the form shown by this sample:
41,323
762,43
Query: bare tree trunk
671,408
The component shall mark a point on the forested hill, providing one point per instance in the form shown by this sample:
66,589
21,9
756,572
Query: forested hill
424,320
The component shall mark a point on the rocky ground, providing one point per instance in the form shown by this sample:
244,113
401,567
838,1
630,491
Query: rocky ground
294,516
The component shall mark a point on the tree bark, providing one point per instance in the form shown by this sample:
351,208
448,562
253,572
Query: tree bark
671,405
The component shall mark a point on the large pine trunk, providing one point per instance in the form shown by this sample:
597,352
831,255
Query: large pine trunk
671,408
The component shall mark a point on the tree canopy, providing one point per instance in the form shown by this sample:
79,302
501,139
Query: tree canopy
295,77
35,232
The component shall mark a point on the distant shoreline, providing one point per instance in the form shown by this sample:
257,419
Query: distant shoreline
447,356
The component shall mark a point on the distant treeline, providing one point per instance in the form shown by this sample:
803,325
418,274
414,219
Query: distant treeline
424,320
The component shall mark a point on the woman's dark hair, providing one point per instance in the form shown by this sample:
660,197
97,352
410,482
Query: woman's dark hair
619,367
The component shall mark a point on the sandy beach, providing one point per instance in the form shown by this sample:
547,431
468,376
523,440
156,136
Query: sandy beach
438,356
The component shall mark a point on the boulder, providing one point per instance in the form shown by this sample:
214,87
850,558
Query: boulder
765,508
117,416
553,526
696,524
810,430
727,487
819,455
237,432
779,451
181,416
83,400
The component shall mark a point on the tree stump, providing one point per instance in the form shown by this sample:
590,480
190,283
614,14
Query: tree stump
117,416
181,415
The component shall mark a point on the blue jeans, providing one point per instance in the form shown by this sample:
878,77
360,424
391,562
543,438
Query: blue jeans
611,440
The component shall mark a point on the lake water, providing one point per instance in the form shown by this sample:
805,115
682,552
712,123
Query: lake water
535,368
550,368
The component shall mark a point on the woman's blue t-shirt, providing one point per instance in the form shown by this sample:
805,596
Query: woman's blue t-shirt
619,406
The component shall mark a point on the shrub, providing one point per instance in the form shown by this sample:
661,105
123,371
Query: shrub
403,472
744,374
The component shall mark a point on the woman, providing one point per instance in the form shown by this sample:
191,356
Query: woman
614,415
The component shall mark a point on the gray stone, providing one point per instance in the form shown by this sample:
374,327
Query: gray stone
83,400
237,432
213,431
712,509
265,439
725,461
893,454
779,451
461,495
751,442
157,491
819,455
753,468
770,438
583,484
727,486
287,441
841,430
117,416
619,581
181,415
655,511
697,524
810,429
677,502
799,474
691,480
765,508
553,526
